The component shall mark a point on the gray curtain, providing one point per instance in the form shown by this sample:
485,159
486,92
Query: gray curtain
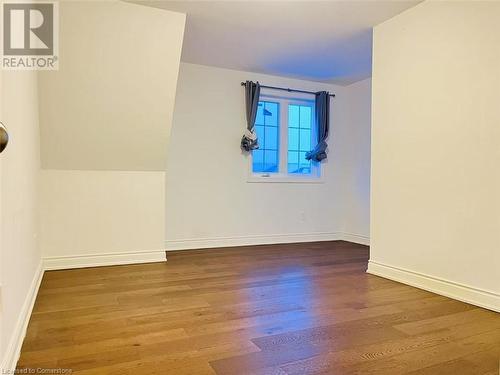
252,92
323,122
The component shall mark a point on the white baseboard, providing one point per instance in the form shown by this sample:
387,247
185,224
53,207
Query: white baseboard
355,238
13,350
208,243
482,298
103,259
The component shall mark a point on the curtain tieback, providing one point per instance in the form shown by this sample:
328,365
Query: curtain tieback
251,134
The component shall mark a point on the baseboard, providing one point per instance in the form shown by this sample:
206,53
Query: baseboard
482,298
13,351
355,238
208,243
103,259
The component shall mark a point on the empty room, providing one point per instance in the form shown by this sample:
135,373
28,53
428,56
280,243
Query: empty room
250,187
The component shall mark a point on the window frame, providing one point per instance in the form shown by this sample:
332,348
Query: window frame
317,174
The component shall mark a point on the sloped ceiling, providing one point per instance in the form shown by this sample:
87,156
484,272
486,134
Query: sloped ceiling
326,41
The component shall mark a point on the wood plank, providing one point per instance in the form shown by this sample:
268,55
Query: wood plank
306,308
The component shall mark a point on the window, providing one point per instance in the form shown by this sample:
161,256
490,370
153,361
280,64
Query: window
299,138
286,132
266,158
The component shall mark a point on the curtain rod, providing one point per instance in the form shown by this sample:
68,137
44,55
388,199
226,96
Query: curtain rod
287,89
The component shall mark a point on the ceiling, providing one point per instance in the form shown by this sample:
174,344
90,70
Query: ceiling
326,41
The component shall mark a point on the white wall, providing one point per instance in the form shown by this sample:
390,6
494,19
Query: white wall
102,217
354,148
435,150
110,104
20,261
105,119
210,202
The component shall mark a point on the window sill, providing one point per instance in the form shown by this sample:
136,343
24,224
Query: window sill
285,179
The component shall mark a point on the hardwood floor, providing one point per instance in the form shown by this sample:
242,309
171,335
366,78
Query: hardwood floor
282,309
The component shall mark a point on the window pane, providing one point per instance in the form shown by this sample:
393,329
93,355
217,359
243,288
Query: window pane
303,166
271,114
293,162
258,160
305,117
265,159
259,119
271,138
293,139
304,170
293,168
260,135
293,116
305,140
304,163
299,138
270,161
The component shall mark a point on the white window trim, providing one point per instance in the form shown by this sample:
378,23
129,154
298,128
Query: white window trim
318,174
